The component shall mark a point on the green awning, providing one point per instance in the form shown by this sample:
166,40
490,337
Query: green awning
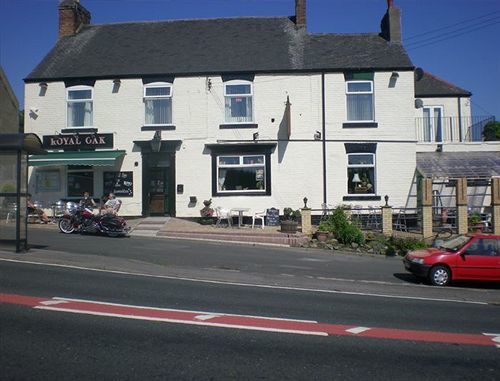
100,158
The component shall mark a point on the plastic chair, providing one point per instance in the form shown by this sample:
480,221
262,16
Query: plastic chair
223,214
12,209
258,216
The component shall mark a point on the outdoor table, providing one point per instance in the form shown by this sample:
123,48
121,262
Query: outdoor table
240,214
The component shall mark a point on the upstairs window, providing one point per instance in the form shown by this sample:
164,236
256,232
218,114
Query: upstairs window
158,103
359,101
361,173
238,101
80,106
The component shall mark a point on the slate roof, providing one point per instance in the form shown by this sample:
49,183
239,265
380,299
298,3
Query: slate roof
225,45
431,86
458,164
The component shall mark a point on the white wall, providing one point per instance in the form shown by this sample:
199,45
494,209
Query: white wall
296,165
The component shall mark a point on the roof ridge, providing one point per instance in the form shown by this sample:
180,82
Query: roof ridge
236,18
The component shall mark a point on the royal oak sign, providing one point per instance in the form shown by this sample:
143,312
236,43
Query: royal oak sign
78,141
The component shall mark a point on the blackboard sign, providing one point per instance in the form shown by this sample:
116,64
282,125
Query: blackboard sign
119,183
272,217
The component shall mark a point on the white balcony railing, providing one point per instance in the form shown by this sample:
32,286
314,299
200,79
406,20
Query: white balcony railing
451,129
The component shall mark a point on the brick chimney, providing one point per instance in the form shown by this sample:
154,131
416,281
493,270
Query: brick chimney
72,15
300,13
391,24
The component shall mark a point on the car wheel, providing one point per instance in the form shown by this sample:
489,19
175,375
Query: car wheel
440,276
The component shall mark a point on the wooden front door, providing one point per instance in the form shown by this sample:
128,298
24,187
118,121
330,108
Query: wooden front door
158,191
158,184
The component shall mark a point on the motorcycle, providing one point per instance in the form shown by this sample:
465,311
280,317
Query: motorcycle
79,219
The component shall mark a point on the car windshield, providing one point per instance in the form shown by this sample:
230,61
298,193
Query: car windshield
455,243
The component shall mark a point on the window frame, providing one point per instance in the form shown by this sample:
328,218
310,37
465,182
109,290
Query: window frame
371,92
241,158
146,97
91,100
434,130
373,165
239,82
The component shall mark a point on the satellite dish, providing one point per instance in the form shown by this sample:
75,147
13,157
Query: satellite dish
419,103
419,73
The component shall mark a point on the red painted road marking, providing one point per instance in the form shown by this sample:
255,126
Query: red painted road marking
259,323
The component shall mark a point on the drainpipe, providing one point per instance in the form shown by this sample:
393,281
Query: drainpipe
323,133
460,119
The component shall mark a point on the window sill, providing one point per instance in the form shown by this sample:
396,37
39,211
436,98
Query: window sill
74,130
368,197
360,125
237,125
159,127
243,193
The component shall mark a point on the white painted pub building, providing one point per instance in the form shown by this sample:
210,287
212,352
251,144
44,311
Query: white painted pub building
249,112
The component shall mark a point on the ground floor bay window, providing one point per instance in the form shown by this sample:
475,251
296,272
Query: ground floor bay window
241,170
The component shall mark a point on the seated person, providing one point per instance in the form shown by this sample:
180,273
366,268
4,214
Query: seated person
32,209
87,201
112,205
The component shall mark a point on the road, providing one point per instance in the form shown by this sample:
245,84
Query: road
80,319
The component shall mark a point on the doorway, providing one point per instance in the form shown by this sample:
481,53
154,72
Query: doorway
158,184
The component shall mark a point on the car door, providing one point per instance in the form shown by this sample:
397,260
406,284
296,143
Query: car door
479,260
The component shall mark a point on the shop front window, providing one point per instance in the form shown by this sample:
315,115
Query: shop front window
79,182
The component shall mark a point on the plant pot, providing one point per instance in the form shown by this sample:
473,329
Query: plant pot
322,236
477,228
289,226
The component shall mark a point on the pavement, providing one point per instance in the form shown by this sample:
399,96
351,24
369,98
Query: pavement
179,228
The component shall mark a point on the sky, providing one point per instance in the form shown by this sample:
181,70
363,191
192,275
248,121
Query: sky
456,40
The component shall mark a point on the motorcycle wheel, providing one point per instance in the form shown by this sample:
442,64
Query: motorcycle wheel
66,226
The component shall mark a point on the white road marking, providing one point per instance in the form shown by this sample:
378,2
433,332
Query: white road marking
177,310
357,330
495,339
364,294
205,317
52,302
190,322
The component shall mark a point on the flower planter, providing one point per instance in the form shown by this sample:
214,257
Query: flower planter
289,227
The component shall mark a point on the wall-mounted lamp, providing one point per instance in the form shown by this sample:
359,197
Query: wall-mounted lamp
156,142
393,79
116,84
43,88
34,112
255,136
317,135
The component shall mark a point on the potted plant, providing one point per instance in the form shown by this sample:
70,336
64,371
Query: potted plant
324,231
475,222
289,222
206,213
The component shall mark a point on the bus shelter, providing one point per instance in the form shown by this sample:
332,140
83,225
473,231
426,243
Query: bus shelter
14,151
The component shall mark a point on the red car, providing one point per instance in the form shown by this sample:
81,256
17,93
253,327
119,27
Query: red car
466,257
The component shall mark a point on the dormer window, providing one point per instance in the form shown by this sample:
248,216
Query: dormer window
238,95
79,106
158,104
